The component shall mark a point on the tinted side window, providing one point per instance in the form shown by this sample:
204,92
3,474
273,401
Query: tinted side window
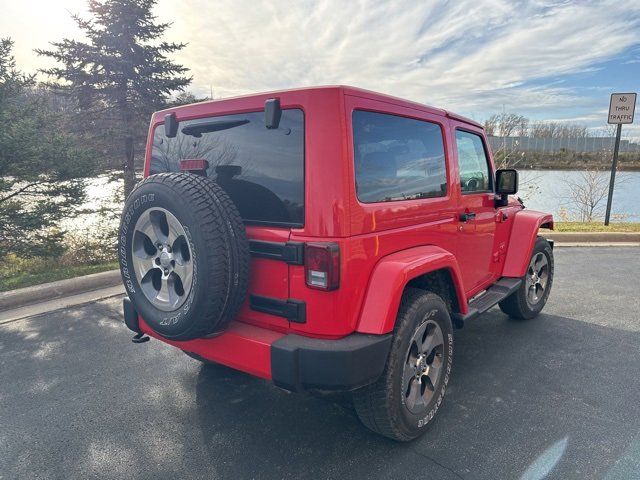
261,170
472,162
397,158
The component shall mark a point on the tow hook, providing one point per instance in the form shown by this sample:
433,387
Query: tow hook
140,338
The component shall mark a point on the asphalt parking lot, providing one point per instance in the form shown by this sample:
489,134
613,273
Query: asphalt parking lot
559,395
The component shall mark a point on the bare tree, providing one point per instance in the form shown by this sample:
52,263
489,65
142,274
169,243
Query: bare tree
586,195
522,127
491,124
542,129
558,130
506,124
508,156
510,123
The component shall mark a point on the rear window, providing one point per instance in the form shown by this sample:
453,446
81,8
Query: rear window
262,170
397,158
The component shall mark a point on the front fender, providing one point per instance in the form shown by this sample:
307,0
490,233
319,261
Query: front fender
524,231
391,275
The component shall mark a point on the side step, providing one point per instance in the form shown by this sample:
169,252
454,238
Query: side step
492,296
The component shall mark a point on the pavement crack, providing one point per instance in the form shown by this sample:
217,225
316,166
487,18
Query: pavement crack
427,457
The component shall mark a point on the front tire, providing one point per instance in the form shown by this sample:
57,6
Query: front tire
406,397
529,300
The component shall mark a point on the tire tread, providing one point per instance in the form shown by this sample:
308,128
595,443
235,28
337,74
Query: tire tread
219,221
374,403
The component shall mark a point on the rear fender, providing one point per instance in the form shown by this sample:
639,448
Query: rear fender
391,275
524,231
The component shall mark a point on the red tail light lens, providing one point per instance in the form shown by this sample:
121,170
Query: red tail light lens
193,165
322,265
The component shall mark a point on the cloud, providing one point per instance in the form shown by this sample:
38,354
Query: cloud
467,56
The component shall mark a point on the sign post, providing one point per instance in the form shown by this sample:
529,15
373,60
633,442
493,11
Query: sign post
621,109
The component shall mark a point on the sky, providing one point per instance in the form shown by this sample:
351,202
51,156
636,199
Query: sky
547,60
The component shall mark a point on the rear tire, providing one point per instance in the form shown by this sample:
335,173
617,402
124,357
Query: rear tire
530,298
406,397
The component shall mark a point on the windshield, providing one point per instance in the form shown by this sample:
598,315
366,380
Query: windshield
261,169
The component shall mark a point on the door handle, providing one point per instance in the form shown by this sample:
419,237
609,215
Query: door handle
466,216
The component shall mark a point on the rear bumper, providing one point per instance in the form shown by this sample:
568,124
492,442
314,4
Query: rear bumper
298,363
292,362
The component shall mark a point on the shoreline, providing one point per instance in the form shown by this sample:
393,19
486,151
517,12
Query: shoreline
564,168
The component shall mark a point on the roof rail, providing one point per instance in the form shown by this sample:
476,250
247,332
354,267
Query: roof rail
460,118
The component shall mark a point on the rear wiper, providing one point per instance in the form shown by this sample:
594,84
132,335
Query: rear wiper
198,129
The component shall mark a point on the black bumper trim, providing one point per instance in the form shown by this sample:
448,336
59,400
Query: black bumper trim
299,363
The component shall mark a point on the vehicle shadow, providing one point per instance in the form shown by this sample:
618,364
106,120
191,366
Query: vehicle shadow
521,393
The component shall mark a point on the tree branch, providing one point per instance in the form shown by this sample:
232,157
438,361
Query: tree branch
20,191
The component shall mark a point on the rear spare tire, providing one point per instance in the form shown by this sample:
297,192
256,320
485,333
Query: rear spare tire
184,255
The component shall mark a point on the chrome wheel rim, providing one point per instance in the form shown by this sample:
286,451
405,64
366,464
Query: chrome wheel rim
162,259
423,366
537,278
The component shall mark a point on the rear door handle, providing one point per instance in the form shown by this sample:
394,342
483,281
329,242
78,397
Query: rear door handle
465,217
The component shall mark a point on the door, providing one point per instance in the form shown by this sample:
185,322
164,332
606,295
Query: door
476,210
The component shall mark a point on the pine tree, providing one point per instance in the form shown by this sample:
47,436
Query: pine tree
121,73
42,166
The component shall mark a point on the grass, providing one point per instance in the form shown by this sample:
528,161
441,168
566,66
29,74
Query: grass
17,273
597,227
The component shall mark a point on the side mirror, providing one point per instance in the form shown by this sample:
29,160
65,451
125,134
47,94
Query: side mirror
506,184
506,181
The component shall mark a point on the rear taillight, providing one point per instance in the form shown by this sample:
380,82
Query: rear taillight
322,265
194,165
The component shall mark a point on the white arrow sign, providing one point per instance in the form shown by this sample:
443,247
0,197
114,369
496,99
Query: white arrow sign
621,107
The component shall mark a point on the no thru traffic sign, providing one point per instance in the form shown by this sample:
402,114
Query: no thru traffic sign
621,107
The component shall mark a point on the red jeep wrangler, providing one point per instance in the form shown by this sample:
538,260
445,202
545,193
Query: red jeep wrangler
329,239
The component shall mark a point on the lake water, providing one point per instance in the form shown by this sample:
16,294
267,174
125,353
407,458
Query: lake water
550,191
546,190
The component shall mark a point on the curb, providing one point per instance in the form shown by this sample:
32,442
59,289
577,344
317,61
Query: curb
597,244
592,237
47,291
54,304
